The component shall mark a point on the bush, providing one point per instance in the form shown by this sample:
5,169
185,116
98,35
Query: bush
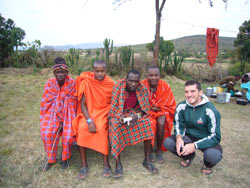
235,69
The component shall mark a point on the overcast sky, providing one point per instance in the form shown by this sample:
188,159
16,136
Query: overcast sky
59,22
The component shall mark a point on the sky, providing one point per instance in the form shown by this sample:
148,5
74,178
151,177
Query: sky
61,22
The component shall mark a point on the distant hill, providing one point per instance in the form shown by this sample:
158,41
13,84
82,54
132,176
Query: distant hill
195,43
81,46
198,43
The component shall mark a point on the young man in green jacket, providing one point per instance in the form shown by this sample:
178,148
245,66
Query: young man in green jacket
196,126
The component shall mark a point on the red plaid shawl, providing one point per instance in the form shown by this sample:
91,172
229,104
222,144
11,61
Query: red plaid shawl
57,106
212,45
121,135
164,99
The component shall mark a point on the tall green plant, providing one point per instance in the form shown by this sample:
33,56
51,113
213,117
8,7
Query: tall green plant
32,50
176,62
72,57
108,45
10,38
165,50
133,59
126,54
97,53
243,43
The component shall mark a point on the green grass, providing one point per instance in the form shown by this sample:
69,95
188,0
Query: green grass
22,152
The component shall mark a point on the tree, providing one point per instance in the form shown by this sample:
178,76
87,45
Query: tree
10,37
150,46
158,11
243,43
17,35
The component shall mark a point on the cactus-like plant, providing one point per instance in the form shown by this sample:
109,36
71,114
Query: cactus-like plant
133,59
108,49
177,62
97,52
125,55
72,57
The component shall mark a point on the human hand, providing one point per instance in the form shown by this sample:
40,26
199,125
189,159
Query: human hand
155,108
188,149
179,144
134,119
121,118
92,127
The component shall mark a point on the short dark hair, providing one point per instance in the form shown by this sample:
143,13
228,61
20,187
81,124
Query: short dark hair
133,71
153,67
193,82
99,62
245,78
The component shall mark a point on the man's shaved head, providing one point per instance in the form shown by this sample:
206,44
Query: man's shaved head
99,63
153,67
99,70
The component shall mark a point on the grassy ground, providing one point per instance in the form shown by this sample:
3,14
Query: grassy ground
22,152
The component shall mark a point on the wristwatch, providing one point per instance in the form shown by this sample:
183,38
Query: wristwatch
89,120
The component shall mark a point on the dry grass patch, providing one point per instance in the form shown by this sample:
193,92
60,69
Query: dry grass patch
22,152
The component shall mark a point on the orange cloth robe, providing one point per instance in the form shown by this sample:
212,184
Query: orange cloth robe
164,99
98,100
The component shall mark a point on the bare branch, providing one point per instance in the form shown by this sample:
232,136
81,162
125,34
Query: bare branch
118,3
162,5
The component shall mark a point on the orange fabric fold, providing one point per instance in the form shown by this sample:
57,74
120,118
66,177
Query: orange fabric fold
164,99
98,100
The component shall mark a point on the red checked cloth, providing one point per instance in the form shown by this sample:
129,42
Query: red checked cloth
212,45
58,105
122,135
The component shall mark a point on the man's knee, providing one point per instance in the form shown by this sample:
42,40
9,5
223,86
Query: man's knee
212,156
161,121
170,144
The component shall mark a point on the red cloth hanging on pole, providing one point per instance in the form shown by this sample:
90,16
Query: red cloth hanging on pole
212,45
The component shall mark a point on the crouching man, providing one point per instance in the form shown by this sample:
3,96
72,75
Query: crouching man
196,126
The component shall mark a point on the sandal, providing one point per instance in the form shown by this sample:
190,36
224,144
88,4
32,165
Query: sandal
186,163
150,167
159,157
107,172
151,158
118,172
83,174
206,170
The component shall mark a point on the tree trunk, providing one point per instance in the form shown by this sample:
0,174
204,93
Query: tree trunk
158,11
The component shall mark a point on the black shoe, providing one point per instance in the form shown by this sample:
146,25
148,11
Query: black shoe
65,164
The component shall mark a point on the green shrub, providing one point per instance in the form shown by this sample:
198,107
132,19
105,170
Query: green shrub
235,69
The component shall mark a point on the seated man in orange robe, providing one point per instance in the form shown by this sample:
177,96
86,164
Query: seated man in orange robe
58,108
162,109
94,91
